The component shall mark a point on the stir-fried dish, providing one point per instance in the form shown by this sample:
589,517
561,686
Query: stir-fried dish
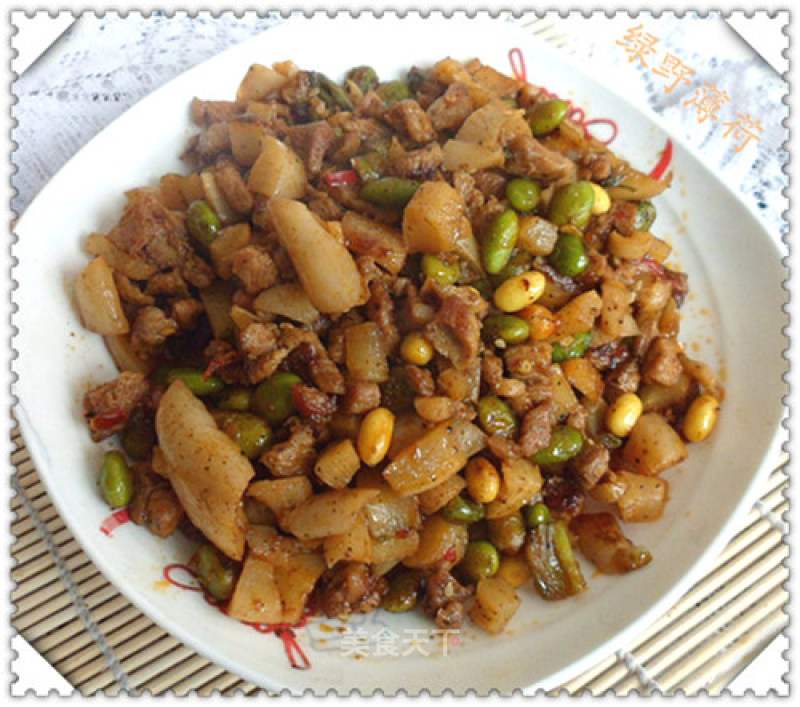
393,344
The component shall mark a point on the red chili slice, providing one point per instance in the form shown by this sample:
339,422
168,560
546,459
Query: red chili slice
108,419
341,179
664,162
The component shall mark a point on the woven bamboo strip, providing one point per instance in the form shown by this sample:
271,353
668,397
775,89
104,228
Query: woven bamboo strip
27,554
197,680
179,672
747,647
109,615
673,679
36,573
707,676
157,663
39,621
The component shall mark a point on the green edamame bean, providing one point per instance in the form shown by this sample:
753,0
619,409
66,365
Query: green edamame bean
139,435
523,194
249,431
203,224
403,594
572,204
645,216
509,328
576,349
463,510
481,560
215,573
236,399
390,192
499,242
391,91
569,255
439,271
507,534
273,397
194,379
116,480
496,417
364,77
565,443
546,116
536,514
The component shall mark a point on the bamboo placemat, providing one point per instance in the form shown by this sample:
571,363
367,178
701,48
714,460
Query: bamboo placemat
98,641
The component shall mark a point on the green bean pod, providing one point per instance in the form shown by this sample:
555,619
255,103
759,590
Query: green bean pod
645,216
572,204
523,194
499,241
569,255
463,510
536,514
576,349
116,480
203,224
194,378
214,572
437,270
506,327
364,77
389,192
546,116
496,416
404,591
391,91
273,399
565,443
481,560
249,431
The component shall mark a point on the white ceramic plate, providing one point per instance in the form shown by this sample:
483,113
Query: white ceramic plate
733,316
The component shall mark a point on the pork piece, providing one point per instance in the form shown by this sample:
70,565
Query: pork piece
312,141
312,404
295,456
107,407
167,282
213,141
408,117
450,110
380,309
464,184
420,380
360,397
129,291
151,328
536,428
529,158
625,378
207,112
419,164
151,232
233,187
254,266
445,597
371,106
608,356
154,504
531,361
258,339
349,588
186,312
455,333
491,182
503,448
493,374
662,364
326,375
564,496
591,464
595,166
223,360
